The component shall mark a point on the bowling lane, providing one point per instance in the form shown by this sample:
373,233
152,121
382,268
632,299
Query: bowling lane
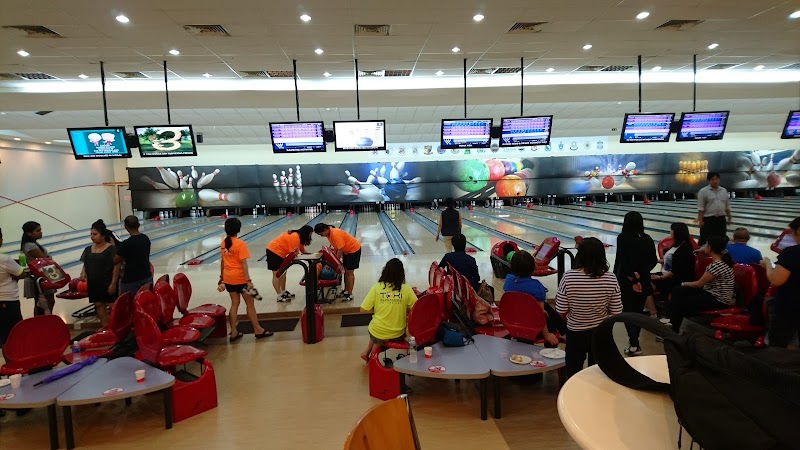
420,239
474,236
211,237
561,226
748,206
606,219
372,237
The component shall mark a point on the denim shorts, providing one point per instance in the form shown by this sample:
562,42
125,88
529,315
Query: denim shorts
133,286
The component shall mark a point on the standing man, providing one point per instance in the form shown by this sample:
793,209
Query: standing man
449,224
135,252
348,250
713,209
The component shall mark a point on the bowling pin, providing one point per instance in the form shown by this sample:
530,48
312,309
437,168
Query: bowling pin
372,175
160,186
190,183
169,178
760,176
748,184
394,173
274,180
383,171
283,181
413,180
183,183
210,195
194,173
382,181
352,180
787,163
793,178
206,179
400,166
770,165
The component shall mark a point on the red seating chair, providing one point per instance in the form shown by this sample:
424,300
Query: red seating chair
732,323
448,292
498,259
154,348
543,254
148,303
169,301
438,274
183,287
523,317
287,261
163,278
120,325
745,278
700,266
431,271
76,290
326,289
35,343
761,279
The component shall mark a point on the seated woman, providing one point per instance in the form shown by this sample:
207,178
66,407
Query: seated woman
714,290
678,262
391,299
519,280
784,309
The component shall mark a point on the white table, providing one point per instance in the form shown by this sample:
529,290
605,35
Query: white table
600,414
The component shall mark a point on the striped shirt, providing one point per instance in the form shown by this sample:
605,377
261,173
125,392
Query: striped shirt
587,301
721,287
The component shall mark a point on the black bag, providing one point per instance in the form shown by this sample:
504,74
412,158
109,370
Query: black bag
450,335
724,398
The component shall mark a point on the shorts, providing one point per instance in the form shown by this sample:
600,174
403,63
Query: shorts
350,261
273,260
383,341
10,315
235,287
133,286
103,297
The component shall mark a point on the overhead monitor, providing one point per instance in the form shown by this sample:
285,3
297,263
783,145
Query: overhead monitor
297,137
646,127
98,142
466,133
533,130
703,126
360,135
792,128
165,140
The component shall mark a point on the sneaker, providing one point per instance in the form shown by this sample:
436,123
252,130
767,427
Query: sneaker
254,293
633,351
288,294
284,298
659,339
665,321
347,298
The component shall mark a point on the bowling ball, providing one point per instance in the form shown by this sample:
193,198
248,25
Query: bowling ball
395,189
510,186
773,179
83,286
472,175
364,142
518,166
496,169
607,182
510,255
509,167
589,203
186,199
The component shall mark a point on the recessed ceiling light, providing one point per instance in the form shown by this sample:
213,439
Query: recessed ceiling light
759,67
713,46
477,17
207,75
47,142
174,52
455,49
656,68
795,15
305,18
23,53
643,15
319,51
83,76
326,74
550,69
439,73
122,19
17,139
587,46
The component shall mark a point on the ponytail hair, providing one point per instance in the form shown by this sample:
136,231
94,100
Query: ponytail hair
232,227
718,245
29,227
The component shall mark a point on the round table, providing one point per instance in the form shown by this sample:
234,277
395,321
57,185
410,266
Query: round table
600,414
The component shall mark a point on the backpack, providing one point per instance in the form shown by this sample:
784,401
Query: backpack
725,397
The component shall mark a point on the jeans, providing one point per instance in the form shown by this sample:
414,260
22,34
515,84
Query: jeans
579,345
688,302
633,302
133,286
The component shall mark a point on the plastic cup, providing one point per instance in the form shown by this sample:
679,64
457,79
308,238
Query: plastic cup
139,375
16,380
429,352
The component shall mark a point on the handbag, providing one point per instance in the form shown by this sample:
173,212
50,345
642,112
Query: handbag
450,335
724,398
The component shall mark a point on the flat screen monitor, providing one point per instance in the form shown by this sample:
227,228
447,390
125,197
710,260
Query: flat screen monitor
297,137
466,133
534,130
703,126
165,140
98,143
792,128
360,135
649,127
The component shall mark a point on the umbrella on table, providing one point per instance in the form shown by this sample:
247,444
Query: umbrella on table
68,370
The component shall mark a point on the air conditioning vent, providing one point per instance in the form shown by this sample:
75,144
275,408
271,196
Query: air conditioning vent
678,25
130,75
206,30
526,27
371,73
280,74
35,76
590,68
372,30
35,31
502,70
252,74
721,66
8,76
795,66
483,71
397,73
43,113
615,68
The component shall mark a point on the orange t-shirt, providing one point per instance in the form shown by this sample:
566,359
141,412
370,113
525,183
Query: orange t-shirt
285,243
232,272
341,240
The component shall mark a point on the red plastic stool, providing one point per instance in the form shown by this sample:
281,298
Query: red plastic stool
319,325
384,382
192,398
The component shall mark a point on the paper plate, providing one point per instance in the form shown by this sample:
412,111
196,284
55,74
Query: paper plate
436,369
553,353
520,359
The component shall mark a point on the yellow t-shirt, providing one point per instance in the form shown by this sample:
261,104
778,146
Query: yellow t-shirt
390,309
232,271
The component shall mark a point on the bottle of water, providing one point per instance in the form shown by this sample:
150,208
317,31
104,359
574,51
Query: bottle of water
76,352
23,261
412,350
